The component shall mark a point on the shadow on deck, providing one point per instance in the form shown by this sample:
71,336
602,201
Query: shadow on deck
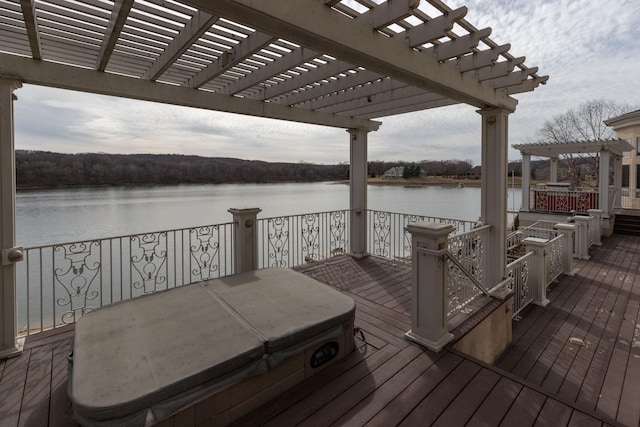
546,378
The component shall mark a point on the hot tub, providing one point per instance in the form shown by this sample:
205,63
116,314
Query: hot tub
208,351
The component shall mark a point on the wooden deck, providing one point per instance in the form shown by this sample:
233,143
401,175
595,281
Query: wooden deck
544,379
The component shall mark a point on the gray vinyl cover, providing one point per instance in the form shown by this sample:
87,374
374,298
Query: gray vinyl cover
136,361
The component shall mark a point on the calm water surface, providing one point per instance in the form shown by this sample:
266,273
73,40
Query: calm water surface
73,214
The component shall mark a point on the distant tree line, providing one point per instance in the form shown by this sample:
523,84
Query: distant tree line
47,169
449,168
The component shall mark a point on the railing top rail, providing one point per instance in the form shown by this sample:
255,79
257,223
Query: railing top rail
424,216
304,214
475,230
126,235
521,259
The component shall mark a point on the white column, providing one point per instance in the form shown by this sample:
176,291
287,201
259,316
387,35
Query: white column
358,192
597,231
553,169
617,181
582,236
603,183
9,344
568,231
428,284
538,272
245,238
494,193
526,182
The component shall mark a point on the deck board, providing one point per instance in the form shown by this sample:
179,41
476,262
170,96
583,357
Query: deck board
541,379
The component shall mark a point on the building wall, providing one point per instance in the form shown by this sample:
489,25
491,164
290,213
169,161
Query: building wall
632,159
627,126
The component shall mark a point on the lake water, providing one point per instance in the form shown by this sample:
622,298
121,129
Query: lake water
47,216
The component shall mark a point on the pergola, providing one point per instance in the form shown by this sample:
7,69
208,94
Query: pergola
604,148
333,63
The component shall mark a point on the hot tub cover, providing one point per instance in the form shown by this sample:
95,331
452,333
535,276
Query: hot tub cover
139,360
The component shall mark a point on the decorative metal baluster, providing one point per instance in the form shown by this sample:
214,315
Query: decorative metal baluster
337,232
278,234
204,248
381,233
147,259
310,234
76,266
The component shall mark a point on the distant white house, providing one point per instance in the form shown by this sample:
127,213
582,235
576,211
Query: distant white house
395,172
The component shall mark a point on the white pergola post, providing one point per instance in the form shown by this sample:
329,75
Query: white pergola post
617,181
9,344
526,182
553,169
494,192
358,191
245,238
603,183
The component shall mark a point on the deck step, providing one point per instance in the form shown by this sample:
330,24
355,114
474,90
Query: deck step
627,225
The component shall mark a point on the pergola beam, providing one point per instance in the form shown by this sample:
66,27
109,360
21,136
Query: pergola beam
457,47
252,44
305,23
499,69
119,16
431,30
343,83
388,13
377,92
528,85
198,25
478,60
85,80
315,75
390,110
31,24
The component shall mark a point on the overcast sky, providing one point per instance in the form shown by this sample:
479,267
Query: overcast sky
589,48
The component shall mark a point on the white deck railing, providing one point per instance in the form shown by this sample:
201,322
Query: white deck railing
549,200
56,284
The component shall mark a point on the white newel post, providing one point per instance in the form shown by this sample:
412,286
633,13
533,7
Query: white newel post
568,231
553,169
245,238
494,193
597,233
10,345
428,285
538,272
358,192
526,182
582,236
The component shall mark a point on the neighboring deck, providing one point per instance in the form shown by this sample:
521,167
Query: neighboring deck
543,379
